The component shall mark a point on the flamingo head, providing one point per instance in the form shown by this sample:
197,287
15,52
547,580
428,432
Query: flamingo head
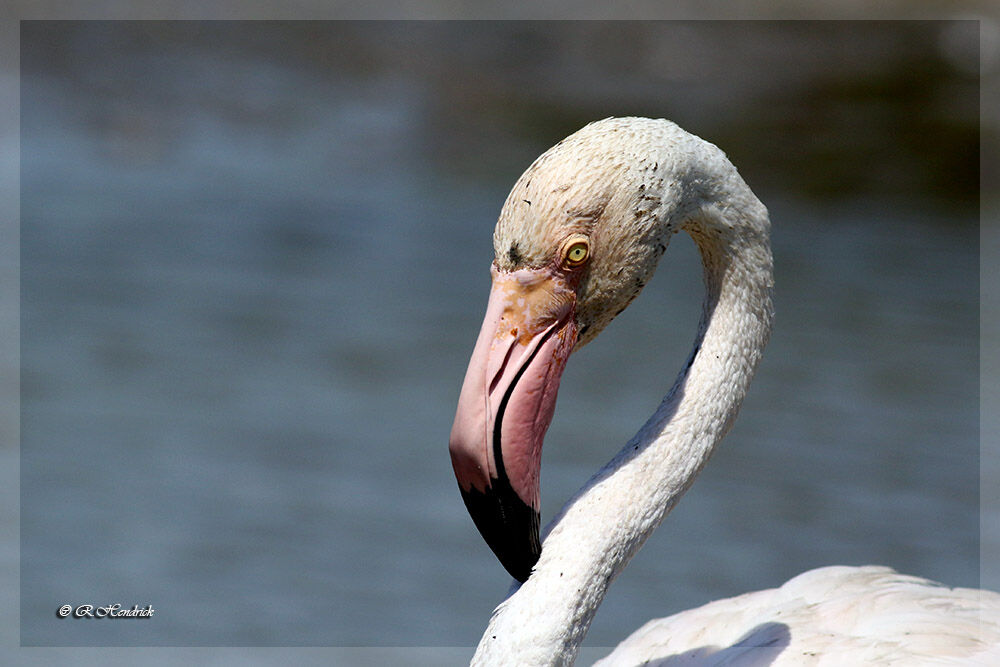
578,237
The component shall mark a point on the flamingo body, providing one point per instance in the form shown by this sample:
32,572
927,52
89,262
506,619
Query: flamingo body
834,615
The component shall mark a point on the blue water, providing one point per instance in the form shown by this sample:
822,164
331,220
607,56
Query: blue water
254,262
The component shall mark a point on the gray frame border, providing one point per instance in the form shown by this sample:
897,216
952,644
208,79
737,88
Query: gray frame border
17,10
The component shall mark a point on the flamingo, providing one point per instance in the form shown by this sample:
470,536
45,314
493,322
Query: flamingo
578,237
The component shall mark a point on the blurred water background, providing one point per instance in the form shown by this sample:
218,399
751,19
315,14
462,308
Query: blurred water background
255,259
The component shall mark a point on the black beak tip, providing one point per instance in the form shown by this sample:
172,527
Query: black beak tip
509,526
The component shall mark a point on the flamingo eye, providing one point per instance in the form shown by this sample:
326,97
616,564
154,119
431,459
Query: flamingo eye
576,253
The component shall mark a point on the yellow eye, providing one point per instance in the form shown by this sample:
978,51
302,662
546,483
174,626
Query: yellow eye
576,253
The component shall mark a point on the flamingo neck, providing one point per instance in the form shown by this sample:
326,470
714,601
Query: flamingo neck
604,525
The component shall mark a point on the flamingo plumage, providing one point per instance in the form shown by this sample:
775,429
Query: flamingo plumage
578,237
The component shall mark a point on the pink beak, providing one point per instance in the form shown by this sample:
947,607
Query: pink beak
506,405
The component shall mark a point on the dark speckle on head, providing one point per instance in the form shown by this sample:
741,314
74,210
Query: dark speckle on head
514,255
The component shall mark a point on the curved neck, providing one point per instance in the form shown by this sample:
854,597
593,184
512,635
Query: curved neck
605,524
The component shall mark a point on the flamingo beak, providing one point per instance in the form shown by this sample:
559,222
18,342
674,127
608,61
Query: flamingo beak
506,405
